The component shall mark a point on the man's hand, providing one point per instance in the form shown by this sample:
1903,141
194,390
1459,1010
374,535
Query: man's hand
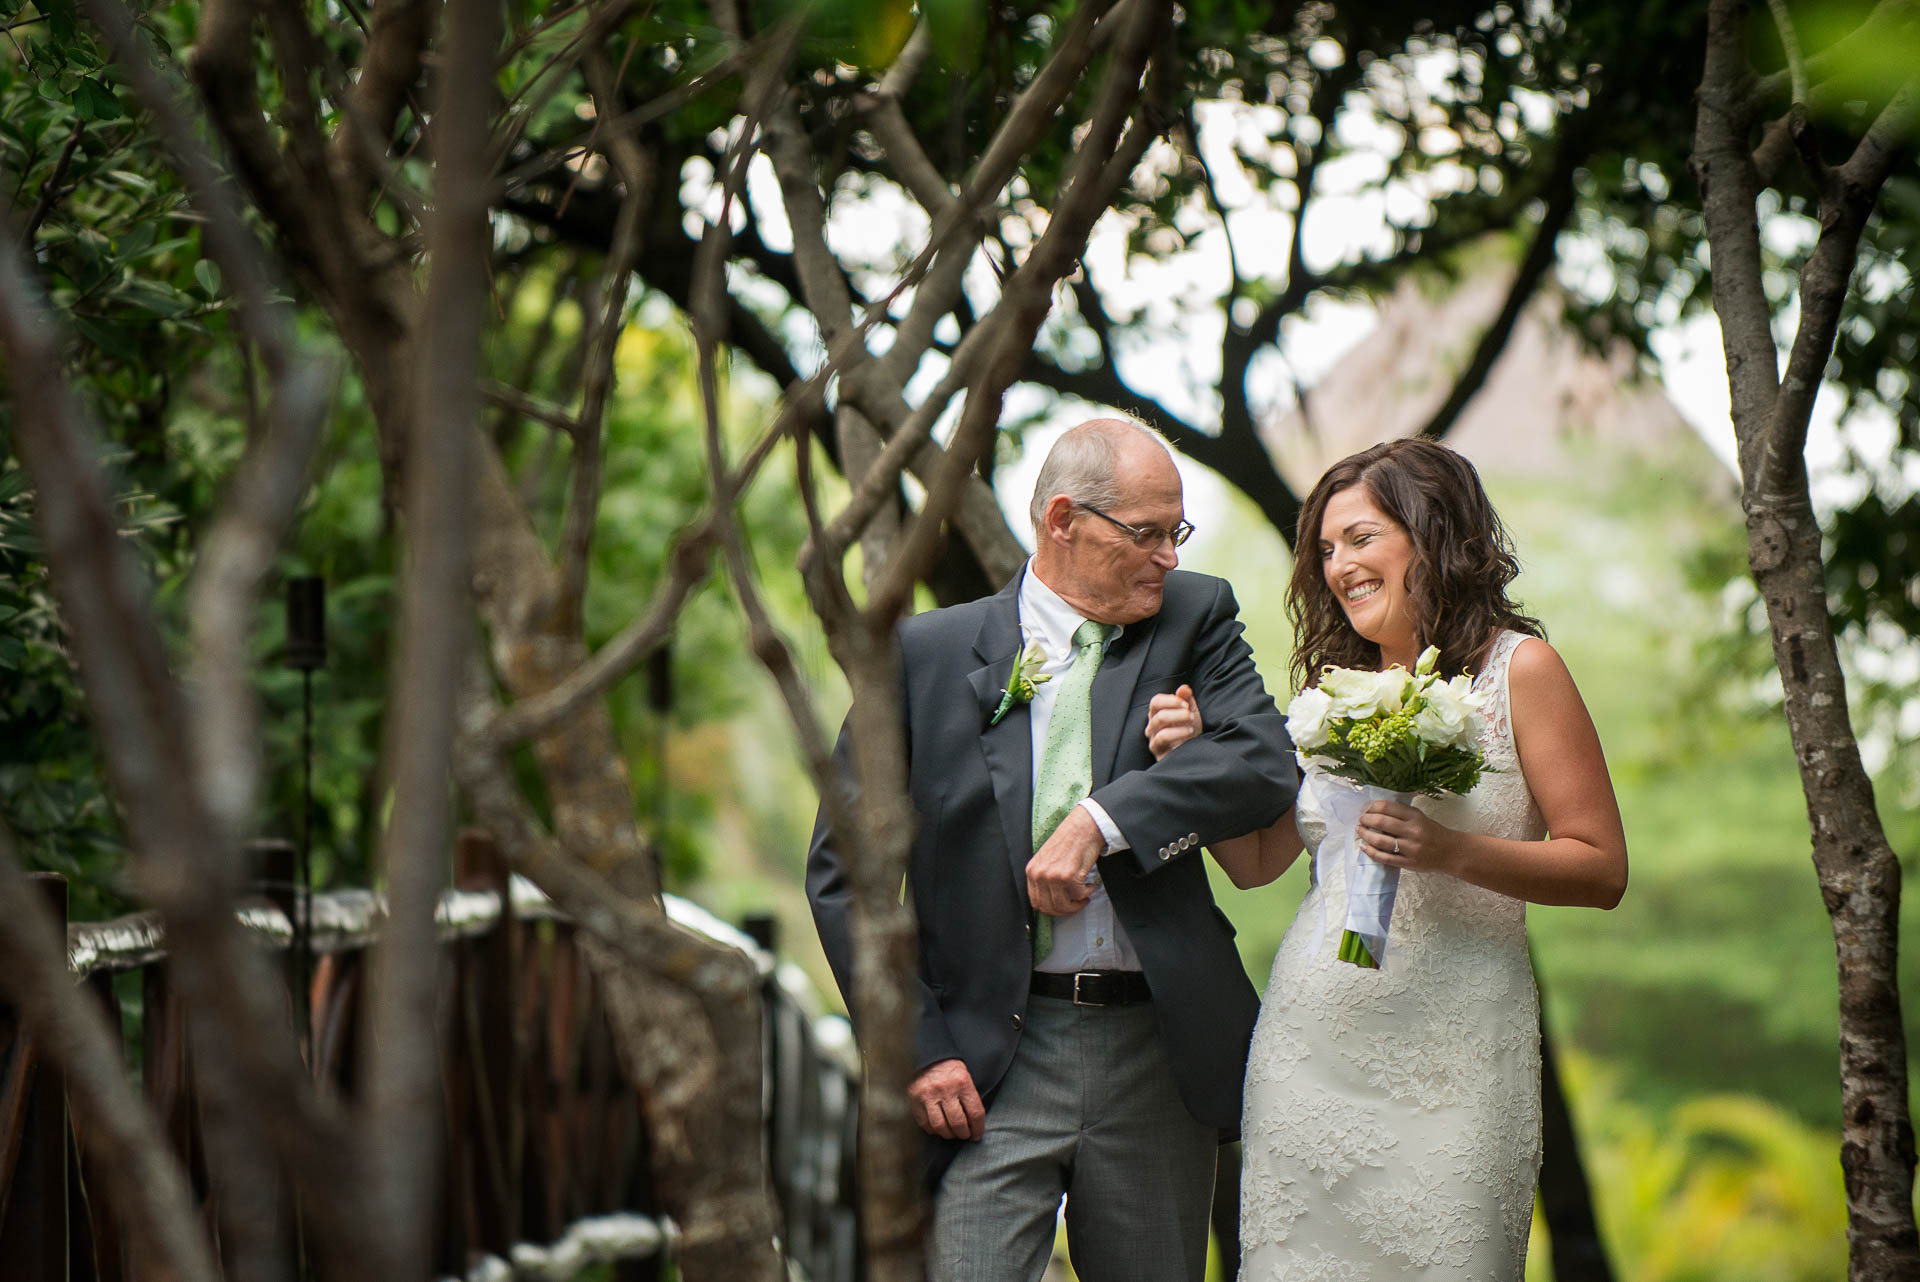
1057,873
945,1103
1172,719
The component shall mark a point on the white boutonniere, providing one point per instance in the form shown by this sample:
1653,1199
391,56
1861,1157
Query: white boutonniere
1022,680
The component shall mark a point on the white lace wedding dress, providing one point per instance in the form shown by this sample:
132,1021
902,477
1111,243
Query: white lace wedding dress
1392,1124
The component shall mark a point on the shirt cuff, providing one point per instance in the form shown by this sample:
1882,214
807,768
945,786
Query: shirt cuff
1116,842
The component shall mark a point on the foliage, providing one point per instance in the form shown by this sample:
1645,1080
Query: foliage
1654,244
51,796
1719,1188
104,221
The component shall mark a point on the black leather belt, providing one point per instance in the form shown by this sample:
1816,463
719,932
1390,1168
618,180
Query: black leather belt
1093,987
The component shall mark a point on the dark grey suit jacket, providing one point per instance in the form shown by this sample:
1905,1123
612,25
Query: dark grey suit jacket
972,791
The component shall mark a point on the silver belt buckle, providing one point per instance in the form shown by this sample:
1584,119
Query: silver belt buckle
1079,975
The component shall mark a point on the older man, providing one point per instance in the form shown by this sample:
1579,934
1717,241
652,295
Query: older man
1084,1015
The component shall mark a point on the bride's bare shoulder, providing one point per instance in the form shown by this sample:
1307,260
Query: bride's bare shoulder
1539,683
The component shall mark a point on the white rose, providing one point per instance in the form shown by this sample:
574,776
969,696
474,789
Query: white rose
1307,717
1451,714
1440,722
1358,695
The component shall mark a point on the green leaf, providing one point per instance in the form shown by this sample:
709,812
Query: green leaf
137,241
207,272
162,300
108,338
958,29
94,101
61,18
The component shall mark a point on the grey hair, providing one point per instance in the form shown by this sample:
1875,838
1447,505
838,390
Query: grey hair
1083,465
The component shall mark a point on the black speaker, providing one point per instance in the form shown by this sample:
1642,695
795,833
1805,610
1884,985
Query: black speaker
307,623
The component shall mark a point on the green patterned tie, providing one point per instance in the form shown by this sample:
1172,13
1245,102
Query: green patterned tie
1066,759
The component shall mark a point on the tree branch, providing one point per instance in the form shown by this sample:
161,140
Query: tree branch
1542,252
953,235
1790,46
402,1091
583,495
518,402
546,82
536,715
1846,204
1729,188
883,114
1890,22
395,45
1881,148
1239,457
629,123
50,189
1010,328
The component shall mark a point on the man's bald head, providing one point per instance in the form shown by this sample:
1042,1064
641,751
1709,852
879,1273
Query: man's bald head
1105,484
1086,462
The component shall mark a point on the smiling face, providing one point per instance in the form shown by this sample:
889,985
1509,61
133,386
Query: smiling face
1094,566
1364,557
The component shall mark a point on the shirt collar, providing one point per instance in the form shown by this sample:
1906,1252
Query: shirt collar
1045,615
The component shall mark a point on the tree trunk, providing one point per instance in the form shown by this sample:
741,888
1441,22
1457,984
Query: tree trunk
1859,874
1860,882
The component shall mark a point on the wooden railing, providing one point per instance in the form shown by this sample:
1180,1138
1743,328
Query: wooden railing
544,1159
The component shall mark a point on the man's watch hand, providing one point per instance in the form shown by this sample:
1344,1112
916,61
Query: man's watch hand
945,1103
1057,873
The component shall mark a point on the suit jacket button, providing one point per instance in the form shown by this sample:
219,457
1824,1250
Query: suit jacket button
1165,853
1016,1023
1192,837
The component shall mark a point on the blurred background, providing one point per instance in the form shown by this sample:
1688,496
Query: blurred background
1342,210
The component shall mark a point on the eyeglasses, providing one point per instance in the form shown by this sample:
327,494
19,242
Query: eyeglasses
1144,536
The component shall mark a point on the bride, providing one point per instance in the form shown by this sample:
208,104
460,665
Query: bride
1392,1124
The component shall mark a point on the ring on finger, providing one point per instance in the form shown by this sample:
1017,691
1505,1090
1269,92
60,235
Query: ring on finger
1396,845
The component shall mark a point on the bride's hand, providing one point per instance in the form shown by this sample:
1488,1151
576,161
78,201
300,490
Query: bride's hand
1172,719
1401,837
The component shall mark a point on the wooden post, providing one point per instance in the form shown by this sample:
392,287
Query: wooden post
271,862
498,1132
33,1141
99,1250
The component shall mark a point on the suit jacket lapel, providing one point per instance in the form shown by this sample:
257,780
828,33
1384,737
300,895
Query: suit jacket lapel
1007,745
1113,694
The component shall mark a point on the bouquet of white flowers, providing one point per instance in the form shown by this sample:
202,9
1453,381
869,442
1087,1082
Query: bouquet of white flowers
1394,733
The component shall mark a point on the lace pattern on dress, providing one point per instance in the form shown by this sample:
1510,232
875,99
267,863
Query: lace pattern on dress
1392,1124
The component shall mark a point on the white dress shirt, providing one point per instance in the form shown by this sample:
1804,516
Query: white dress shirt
1093,938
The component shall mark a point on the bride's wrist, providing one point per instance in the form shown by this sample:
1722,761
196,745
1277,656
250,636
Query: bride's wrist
1451,848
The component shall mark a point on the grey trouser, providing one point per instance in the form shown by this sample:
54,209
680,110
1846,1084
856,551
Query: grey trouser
1089,1111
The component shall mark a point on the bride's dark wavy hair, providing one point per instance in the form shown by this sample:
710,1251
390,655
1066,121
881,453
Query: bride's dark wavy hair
1457,581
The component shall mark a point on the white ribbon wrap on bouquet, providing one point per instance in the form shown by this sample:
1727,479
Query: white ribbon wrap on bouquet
1371,886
